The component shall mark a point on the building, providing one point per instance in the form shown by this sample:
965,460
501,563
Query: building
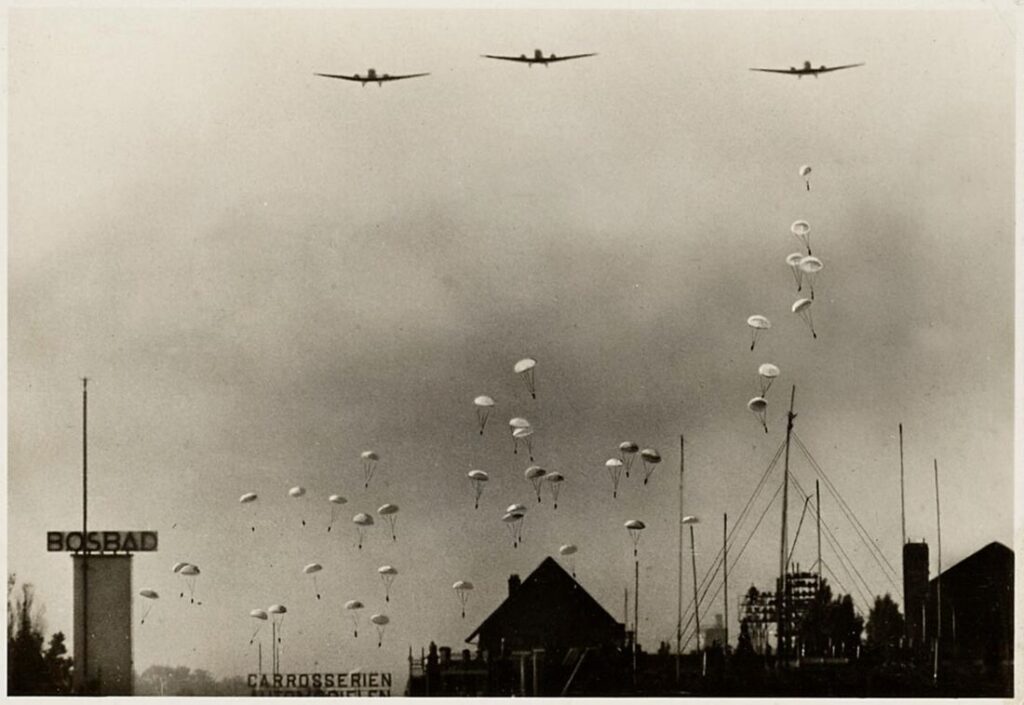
715,637
549,637
915,593
759,611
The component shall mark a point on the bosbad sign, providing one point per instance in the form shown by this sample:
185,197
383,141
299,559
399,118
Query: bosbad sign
101,541
360,684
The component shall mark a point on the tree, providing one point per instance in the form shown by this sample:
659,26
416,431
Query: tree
58,665
26,668
885,628
830,627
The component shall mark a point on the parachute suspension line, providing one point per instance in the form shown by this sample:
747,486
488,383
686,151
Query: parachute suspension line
844,558
865,537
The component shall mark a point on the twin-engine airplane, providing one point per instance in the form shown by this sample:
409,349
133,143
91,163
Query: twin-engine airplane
537,58
808,70
371,77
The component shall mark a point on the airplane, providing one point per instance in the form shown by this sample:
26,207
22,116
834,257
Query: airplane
537,58
808,70
370,77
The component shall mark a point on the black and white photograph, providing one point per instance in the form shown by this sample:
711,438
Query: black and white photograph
553,350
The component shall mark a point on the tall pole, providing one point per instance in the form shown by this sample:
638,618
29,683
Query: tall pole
938,579
903,505
696,606
636,612
85,534
725,578
780,598
679,618
817,508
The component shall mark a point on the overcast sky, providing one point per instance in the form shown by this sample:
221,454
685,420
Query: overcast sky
263,273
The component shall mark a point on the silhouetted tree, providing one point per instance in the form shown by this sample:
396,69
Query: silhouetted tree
830,627
884,628
27,672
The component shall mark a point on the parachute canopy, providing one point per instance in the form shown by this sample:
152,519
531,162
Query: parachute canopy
369,455
150,594
628,447
312,568
805,170
800,304
277,609
380,619
479,475
462,585
337,499
691,520
511,517
535,472
353,605
387,570
297,491
650,455
189,569
512,508
484,401
635,524
362,519
568,549
759,322
178,566
386,509
258,614
247,497
527,363
613,463
522,432
555,476
768,370
757,404
800,228
810,265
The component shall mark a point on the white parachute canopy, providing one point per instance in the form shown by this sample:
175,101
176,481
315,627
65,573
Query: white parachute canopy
650,458
483,405
793,261
802,230
296,492
336,501
176,568
362,522
524,436
809,268
389,512
614,466
477,478
387,575
635,526
524,368
569,551
759,407
514,522
690,520
555,480
149,595
802,308
535,474
767,373
312,569
260,615
805,171
250,498
757,323
628,451
369,459
462,589
190,572
353,607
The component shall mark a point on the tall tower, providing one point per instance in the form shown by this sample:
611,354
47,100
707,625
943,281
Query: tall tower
915,592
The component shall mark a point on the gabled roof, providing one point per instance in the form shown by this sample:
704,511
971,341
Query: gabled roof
993,555
548,583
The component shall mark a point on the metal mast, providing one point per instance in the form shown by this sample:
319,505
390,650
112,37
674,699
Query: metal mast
679,618
780,598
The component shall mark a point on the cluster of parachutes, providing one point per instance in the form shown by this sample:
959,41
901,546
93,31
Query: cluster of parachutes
628,450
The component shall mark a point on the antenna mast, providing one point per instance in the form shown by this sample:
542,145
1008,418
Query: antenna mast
780,598
903,505
679,622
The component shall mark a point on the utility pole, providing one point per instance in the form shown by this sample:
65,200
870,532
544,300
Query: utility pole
817,506
725,579
780,598
85,534
938,579
679,618
903,506
696,604
636,613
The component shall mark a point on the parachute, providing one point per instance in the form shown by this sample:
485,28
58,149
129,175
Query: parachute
628,451
809,268
296,492
362,522
260,615
650,458
759,407
336,501
190,572
149,595
802,307
462,589
249,498
369,459
802,230
477,478
277,613
483,404
614,466
793,260
535,474
757,324
176,568
313,569
805,171
524,436
687,520
381,621
387,575
635,526
389,512
524,368
569,550
353,607
766,375
555,480
514,521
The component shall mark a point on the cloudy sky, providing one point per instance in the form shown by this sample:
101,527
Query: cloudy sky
263,273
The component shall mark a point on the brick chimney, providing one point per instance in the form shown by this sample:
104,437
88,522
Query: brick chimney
513,583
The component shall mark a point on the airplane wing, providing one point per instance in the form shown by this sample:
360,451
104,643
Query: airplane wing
837,68
334,75
398,78
565,58
786,71
521,59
